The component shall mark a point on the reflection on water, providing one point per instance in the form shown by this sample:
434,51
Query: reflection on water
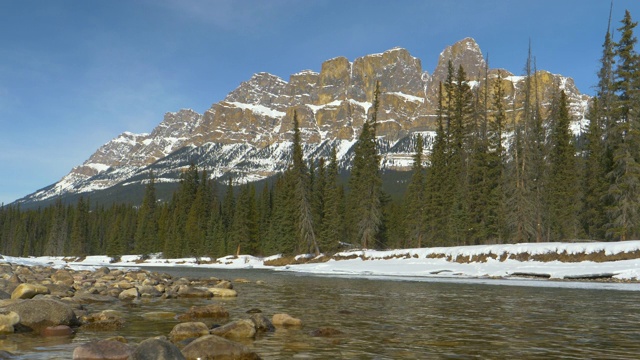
384,319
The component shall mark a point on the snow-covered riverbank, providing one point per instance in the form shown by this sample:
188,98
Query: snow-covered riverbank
608,260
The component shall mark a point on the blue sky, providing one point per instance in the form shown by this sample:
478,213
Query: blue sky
75,74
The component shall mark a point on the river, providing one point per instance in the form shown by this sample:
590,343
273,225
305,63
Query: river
400,318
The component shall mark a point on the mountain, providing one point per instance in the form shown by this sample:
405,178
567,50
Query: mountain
248,134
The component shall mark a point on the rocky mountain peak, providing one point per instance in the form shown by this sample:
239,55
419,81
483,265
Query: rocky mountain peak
263,88
247,135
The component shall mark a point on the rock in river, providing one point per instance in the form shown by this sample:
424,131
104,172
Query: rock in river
215,347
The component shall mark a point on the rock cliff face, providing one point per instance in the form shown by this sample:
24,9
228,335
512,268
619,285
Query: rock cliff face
248,134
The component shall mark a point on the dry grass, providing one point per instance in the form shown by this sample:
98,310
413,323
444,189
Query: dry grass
464,259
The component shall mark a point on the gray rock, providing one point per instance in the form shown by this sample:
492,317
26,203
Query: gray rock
262,323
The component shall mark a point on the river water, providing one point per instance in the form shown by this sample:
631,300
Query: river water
399,318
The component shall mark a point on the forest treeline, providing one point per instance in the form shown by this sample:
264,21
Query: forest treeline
496,173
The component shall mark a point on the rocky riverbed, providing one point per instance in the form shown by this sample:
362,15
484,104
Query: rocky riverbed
49,302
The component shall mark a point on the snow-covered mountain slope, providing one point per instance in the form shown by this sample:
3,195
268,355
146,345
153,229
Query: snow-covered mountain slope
248,134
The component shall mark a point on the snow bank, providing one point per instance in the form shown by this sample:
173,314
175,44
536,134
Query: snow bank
438,262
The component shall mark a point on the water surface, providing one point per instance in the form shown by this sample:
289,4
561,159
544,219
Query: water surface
399,318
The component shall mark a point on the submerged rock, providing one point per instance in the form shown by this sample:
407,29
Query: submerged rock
206,311
216,347
236,329
325,332
59,330
102,350
156,349
262,323
188,330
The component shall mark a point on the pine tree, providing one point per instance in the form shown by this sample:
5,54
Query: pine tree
79,231
594,182
243,234
333,221
624,177
415,200
366,183
283,233
562,195
147,229
438,194
58,233
198,217
496,205
302,193
461,111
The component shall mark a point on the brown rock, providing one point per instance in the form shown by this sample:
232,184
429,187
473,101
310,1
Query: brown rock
28,291
206,311
63,277
285,320
216,347
7,320
102,350
129,294
325,332
104,320
188,330
60,330
193,292
236,329
38,314
156,349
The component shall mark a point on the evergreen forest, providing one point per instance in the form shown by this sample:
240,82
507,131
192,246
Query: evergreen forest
493,175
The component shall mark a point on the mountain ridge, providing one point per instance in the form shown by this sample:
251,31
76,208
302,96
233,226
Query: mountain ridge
247,134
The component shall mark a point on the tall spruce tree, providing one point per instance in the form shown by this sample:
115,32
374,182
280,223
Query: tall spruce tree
624,177
80,229
333,231
461,125
438,187
496,210
302,192
415,199
147,227
562,198
594,181
365,183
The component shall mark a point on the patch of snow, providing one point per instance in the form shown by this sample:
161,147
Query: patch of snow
408,97
258,109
